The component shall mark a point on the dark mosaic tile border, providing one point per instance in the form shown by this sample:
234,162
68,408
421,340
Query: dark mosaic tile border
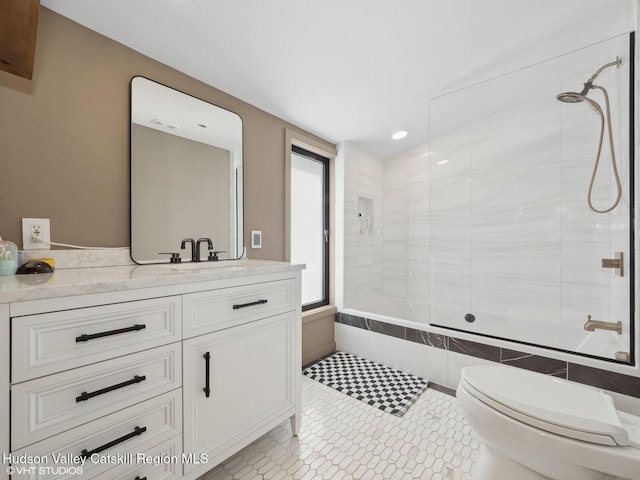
600,378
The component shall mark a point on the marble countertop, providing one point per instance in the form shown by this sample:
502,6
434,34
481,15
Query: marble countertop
81,281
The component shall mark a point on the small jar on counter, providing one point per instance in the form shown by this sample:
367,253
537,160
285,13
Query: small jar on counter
8,257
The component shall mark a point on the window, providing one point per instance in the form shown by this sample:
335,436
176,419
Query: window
309,227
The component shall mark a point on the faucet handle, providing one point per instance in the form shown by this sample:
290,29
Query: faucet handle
213,255
175,256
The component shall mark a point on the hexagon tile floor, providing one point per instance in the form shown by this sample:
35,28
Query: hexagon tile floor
343,439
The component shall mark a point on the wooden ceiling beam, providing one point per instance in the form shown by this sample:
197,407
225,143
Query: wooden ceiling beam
18,31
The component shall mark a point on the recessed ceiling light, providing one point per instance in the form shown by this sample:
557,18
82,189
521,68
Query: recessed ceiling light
399,134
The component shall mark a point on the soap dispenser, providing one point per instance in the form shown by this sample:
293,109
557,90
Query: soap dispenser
8,257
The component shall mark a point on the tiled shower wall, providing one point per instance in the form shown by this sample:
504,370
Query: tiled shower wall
392,258
491,217
406,222
361,254
512,239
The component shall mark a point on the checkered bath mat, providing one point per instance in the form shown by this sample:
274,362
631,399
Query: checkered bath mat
382,387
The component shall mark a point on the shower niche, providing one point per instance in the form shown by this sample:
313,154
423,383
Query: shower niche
512,173
365,215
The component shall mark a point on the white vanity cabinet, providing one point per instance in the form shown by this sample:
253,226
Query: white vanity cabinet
103,379
241,364
239,383
191,369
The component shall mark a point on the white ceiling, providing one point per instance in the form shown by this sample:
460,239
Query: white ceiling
350,70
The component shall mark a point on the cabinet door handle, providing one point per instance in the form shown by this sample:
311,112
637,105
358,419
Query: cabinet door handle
207,372
138,431
86,337
86,396
250,304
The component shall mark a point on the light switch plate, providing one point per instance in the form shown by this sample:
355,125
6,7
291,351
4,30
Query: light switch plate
256,238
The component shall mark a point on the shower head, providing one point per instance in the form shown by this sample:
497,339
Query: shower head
570,97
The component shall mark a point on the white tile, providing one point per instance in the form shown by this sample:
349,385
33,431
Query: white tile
431,362
502,226
392,352
516,299
456,362
343,438
356,341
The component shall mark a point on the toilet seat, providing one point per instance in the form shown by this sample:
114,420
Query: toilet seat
548,403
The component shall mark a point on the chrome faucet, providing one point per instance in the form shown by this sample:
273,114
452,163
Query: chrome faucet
592,325
209,246
194,255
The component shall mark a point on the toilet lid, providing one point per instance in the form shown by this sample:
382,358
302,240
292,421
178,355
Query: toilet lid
548,403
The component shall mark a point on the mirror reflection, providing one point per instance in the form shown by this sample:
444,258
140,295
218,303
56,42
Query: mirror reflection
186,176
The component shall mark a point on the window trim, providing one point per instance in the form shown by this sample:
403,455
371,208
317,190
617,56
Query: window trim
327,150
325,161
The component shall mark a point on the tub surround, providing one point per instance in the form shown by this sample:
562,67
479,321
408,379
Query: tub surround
477,352
490,217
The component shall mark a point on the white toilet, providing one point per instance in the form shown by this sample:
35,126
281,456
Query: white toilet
534,426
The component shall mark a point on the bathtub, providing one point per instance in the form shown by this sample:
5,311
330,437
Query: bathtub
397,311
507,333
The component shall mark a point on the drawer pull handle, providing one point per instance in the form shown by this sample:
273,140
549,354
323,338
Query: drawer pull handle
138,431
85,338
250,304
86,396
207,372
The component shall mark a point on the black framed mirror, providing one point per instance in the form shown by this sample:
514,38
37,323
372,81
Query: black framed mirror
185,174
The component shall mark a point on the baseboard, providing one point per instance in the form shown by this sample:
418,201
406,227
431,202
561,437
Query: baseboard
442,388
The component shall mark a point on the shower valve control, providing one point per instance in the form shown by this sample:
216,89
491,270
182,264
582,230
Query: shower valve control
615,263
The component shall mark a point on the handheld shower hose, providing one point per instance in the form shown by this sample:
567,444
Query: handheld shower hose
574,97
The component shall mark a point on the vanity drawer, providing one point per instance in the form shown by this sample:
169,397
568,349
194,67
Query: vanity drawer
156,421
205,312
52,342
171,449
47,406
